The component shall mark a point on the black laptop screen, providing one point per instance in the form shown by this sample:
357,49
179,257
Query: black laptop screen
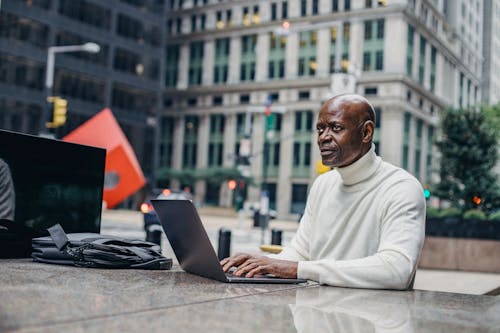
52,182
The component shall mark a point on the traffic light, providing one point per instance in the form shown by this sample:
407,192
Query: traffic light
60,107
231,184
427,192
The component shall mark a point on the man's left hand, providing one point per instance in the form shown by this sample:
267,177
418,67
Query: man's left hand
249,265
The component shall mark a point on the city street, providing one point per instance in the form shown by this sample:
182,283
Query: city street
246,238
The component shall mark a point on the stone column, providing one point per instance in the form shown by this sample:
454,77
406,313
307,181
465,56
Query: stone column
262,49
202,155
392,135
234,60
423,154
291,58
208,62
323,53
183,70
284,188
178,144
257,152
411,144
395,33
226,196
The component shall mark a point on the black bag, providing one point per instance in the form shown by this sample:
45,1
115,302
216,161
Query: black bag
96,250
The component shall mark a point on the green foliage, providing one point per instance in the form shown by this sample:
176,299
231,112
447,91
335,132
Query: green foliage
494,216
474,214
215,175
468,154
432,212
450,212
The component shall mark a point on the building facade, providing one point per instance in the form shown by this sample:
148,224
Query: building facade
226,60
124,76
491,49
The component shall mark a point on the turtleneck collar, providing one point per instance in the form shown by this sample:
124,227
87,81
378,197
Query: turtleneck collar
362,169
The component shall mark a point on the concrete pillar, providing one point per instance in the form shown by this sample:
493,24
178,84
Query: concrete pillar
284,188
293,8
427,66
178,144
262,49
395,33
423,154
416,56
182,74
411,144
439,75
355,44
292,45
323,53
208,62
392,135
234,60
226,196
257,152
202,155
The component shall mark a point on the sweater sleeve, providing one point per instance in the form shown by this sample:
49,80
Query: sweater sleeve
393,265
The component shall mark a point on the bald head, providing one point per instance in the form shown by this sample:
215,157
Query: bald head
356,105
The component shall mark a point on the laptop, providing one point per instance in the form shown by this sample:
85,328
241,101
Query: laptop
43,182
192,247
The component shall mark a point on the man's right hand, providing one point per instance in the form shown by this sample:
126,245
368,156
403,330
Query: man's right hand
249,265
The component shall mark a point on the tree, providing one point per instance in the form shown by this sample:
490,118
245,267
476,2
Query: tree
468,155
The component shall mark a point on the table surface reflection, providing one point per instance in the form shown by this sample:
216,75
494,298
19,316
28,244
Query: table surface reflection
49,298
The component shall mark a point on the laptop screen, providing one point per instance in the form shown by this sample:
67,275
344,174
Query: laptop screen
51,182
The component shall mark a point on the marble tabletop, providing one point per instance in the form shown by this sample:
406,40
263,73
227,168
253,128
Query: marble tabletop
48,298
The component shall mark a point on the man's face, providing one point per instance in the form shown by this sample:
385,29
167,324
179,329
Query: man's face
340,134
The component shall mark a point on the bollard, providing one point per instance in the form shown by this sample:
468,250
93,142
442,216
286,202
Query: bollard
153,234
276,236
224,250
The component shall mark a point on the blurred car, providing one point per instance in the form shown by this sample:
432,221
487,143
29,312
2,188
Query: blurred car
147,210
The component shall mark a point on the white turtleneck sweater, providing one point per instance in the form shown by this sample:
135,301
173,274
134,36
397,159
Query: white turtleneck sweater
363,227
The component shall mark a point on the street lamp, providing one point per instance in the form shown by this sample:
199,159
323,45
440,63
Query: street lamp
49,77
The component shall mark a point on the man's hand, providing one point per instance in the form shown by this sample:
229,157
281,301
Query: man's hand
249,265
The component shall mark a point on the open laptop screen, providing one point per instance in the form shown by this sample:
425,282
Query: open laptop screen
51,182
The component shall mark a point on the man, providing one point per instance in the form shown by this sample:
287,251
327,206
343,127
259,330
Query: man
363,225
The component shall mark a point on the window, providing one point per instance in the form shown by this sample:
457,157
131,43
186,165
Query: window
195,63
335,5
244,99
409,51
248,57
284,9
303,7
307,64
221,60
217,100
274,12
171,65
193,101
421,65
373,46
371,90
303,95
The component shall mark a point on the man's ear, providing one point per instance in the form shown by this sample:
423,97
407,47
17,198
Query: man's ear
368,129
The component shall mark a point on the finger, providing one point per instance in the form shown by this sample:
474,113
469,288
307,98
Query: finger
244,270
234,261
257,270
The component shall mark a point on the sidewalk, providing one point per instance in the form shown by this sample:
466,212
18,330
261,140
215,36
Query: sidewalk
246,238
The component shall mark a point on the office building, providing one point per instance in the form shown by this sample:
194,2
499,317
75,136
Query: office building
491,49
229,59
